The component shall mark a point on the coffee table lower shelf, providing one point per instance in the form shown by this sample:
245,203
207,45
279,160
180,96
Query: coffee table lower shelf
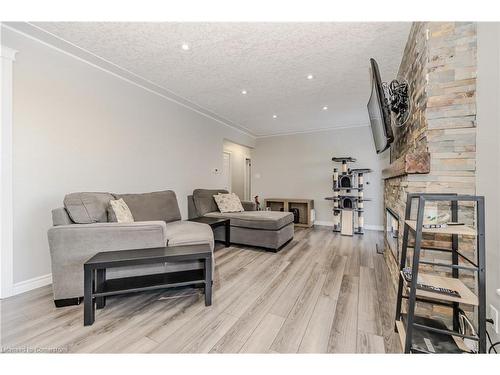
133,284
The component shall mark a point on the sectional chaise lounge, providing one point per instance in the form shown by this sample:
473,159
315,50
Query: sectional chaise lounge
81,229
267,229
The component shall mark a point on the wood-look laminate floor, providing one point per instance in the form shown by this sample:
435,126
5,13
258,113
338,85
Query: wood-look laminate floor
322,293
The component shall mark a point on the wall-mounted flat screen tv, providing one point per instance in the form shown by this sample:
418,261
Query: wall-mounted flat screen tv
379,112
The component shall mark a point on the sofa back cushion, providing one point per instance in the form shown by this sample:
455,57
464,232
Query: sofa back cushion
159,205
86,207
204,200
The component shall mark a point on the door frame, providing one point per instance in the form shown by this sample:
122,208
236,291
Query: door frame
247,180
230,187
7,58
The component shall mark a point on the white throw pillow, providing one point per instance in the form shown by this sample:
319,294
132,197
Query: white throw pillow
228,203
121,211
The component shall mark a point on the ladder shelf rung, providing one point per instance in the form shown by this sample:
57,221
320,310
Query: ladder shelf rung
432,248
444,331
456,266
467,259
444,250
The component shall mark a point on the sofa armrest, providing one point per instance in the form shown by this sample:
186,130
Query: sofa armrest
72,245
110,236
249,205
61,217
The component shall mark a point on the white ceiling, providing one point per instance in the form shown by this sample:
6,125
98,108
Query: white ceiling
269,60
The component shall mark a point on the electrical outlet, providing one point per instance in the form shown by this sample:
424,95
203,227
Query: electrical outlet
493,314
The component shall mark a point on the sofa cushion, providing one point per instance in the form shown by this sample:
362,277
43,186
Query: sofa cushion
268,220
159,205
189,233
204,200
86,207
269,239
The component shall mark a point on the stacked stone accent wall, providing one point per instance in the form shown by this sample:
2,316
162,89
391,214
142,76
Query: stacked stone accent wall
439,63
413,69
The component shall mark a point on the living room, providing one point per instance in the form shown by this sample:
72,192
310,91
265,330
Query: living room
250,187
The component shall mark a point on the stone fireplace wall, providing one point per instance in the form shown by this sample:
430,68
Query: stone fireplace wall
413,69
439,63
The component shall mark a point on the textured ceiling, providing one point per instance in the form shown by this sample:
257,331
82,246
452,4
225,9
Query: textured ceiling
269,60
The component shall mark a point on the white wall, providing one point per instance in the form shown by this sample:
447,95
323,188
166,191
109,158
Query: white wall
78,128
487,148
239,154
300,166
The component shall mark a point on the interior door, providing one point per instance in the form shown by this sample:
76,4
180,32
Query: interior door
248,181
226,170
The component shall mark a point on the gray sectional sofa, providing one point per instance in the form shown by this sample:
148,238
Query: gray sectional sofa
267,229
81,229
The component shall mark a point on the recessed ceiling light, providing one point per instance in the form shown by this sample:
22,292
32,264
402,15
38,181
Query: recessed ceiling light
325,108
275,116
185,46
243,92
310,76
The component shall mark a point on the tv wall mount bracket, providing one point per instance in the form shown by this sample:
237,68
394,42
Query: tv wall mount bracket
397,94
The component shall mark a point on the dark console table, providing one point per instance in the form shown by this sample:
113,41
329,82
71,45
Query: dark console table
97,288
215,222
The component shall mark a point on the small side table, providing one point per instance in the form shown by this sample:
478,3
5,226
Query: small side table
215,222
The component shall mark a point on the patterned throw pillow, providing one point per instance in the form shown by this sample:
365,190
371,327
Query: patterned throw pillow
228,203
121,211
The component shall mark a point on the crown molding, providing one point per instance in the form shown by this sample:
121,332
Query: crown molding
55,42
50,40
308,131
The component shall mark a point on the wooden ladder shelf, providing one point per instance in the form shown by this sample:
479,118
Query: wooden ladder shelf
429,330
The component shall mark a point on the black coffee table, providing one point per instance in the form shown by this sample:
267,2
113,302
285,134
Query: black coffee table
215,222
97,288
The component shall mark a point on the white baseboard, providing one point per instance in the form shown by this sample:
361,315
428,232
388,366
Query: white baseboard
379,228
27,285
324,223
367,227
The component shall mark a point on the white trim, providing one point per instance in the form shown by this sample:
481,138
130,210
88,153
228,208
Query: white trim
379,228
323,223
8,53
367,227
53,41
59,44
27,285
247,179
342,127
6,209
230,171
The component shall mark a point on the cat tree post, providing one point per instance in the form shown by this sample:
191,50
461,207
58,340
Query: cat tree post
348,210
